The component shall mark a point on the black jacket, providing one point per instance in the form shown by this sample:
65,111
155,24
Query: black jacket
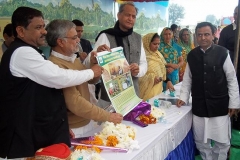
32,116
209,84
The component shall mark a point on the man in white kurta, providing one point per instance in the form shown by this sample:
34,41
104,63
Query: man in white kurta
131,43
207,129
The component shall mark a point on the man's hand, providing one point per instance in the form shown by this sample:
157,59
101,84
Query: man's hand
72,135
103,47
134,68
231,112
82,56
97,70
115,118
93,58
180,103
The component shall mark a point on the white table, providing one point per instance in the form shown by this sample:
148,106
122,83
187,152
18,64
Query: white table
156,141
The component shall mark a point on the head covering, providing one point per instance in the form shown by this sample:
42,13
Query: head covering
171,51
189,46
54,152
149,53
156,68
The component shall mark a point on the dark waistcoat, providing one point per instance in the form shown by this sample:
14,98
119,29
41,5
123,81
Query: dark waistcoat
209,84
132,47
32,116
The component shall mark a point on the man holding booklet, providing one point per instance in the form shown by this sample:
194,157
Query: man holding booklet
123,35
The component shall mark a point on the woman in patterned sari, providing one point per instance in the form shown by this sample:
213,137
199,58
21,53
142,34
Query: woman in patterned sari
172,54
185,41
150,84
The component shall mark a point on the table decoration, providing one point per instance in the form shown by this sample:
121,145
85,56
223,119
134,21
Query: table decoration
115,138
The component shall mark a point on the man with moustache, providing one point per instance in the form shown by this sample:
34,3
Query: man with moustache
211,79
63,39
32,106
85,48
123,35
85,44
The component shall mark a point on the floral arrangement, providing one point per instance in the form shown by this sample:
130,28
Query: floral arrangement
156,114
118,135
113,137
85,154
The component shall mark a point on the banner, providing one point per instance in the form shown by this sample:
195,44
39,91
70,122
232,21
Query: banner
117,80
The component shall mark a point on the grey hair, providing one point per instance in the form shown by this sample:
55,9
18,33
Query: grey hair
121,7
58,28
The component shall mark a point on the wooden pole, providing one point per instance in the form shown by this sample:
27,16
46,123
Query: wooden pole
237,41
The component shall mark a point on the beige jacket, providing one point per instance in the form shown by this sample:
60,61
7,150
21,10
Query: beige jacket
77,98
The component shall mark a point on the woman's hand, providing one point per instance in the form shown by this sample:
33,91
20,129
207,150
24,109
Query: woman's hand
170,70
157,80
170,86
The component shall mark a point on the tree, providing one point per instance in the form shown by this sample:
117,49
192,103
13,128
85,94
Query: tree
212,19
176,13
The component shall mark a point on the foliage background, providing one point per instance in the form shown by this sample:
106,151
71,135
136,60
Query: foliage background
96,15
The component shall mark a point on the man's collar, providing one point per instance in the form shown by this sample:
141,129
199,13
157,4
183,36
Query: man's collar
36,48
206,49
234,26
66,58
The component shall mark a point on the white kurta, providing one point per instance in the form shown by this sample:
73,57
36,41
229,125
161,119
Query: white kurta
217,128
27,62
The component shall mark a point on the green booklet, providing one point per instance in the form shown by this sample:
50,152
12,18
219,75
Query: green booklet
117,80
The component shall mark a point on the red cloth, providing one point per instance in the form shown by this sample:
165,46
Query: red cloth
60,151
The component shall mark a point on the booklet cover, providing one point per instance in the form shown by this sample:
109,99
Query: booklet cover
117,80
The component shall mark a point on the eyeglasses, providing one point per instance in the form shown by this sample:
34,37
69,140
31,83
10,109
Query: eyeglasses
73,38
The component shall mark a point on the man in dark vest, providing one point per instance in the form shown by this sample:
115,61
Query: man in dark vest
211,79
32,106
123,35
8,39
85,44
227,40
85,48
